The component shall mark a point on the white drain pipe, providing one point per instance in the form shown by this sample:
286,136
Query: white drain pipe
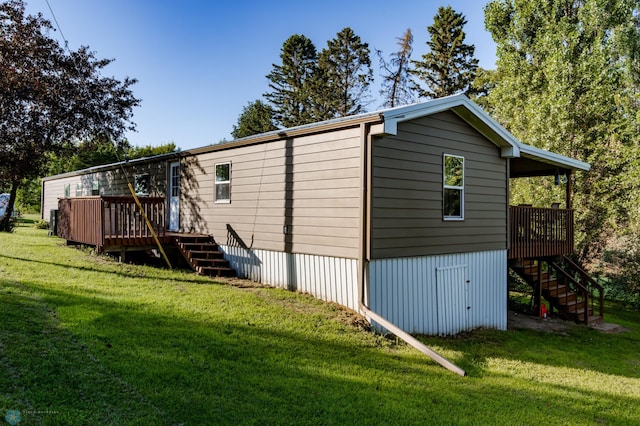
365,222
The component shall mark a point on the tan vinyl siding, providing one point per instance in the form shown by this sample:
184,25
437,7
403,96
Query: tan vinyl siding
111,182
309,183
52,191
407,217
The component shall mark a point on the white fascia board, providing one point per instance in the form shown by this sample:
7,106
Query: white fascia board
552,158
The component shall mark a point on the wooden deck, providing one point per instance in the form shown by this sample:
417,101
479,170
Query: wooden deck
114,223
111,223
540,232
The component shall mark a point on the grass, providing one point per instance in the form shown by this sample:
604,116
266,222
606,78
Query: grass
86,340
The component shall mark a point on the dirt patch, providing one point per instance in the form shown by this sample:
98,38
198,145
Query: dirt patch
552,324
517,320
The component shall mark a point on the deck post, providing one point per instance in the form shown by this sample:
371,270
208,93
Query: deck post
569,190
538,298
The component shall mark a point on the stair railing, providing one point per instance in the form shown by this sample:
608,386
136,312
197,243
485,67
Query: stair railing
234,240
590,283
574,285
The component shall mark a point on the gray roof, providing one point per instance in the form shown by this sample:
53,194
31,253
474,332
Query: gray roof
469,111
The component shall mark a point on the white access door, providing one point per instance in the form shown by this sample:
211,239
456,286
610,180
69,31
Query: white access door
453,309
174,196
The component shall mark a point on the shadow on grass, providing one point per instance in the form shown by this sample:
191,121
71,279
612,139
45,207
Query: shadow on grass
247,368
124,274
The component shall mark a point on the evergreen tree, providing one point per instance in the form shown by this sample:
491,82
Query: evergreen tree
567,84
449,67
397,86
342,82
290,82
256,117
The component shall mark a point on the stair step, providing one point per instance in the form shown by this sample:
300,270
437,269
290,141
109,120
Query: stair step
199,246
569,303
564,297
210,262
205,254
189,237
215,271
595,319
556,286
575,307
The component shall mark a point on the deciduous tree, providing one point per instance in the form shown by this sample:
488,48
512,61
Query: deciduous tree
50,96
566,84
256,117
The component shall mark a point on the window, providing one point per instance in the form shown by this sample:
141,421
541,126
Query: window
175,180
453,187
141,184
223,183
79,190
67,191
95,187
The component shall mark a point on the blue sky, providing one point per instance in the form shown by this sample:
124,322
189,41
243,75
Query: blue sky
200,62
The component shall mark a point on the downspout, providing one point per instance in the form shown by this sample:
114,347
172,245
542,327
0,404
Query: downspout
364,253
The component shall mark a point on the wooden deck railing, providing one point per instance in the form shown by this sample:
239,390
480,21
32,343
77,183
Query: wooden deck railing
110,221
540,232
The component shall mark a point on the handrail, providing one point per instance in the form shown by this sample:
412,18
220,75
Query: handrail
593,283
103,221
540,232
234,240
584,292
123,220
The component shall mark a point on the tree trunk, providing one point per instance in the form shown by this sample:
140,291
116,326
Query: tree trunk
6,222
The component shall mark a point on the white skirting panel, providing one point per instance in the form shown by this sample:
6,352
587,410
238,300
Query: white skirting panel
332,279
443,294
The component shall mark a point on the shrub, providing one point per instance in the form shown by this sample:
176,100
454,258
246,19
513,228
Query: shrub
42,224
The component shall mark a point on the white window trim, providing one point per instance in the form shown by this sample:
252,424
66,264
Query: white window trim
216,183
460,188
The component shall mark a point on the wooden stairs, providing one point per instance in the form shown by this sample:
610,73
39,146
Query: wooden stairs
203,255
566,286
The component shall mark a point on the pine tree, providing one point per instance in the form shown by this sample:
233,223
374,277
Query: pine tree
344,75
397,86
256,117
290,82
449,67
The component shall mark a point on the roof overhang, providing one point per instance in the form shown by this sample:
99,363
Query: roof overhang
539,162
467,110
526,160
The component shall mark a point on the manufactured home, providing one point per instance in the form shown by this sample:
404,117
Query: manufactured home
404,212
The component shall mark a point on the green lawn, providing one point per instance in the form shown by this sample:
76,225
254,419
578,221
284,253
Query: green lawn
85,340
